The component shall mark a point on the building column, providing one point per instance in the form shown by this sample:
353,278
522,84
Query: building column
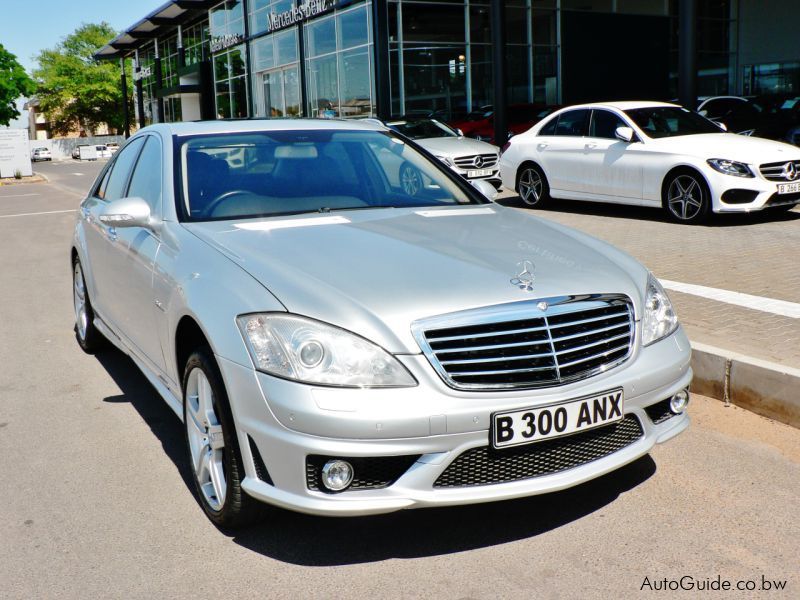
687,53
158,85
499,71
181,49
137,77
380,20
126,116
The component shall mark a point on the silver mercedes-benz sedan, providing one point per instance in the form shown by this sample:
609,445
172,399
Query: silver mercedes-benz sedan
337,346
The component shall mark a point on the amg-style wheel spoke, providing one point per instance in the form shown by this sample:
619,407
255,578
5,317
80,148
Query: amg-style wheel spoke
530,186
685,197
206,439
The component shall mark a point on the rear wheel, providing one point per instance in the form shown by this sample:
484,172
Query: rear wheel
213,449
686,197
89,338
532,186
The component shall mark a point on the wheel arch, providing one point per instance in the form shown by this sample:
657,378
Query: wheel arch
189,336
684,167
526,163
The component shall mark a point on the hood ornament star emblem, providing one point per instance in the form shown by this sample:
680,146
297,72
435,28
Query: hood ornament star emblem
525,278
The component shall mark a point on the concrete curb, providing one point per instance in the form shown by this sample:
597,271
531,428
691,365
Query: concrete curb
764,387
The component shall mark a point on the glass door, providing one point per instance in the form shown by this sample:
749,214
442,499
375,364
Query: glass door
282,92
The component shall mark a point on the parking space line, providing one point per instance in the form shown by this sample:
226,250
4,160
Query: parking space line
33,214
760,303
18,195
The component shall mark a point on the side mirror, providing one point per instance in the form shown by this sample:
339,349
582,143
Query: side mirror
485,188
625,134
723,126
126,212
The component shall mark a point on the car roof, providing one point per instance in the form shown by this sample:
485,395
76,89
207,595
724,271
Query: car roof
256,125
624,104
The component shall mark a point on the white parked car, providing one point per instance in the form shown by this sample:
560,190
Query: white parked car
472,159
38,154
650,154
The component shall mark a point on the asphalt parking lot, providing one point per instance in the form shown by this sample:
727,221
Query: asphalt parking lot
98,502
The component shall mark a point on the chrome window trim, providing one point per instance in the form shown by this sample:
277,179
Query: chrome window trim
527,309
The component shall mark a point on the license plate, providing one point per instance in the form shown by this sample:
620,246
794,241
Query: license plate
479,173
529,425
789,188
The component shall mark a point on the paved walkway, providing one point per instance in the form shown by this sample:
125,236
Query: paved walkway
756,255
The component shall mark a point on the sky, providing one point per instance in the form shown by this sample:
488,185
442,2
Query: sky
26,27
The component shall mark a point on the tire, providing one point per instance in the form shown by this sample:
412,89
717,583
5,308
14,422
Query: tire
686,198
410,179
215,460
89,338
532,186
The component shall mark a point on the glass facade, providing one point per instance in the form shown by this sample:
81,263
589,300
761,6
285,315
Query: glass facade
226,24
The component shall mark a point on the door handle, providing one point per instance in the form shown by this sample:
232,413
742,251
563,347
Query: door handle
591,145
111,234
542,145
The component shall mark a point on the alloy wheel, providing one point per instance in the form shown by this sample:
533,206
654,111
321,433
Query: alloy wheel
411,180
530,186
79,301
685,197
206,440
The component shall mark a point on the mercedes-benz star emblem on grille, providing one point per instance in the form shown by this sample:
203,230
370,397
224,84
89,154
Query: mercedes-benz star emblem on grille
789,171
478,161
525,278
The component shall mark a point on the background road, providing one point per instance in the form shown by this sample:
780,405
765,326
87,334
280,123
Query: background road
97,501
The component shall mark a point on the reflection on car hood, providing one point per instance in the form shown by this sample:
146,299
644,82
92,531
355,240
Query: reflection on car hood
730,146
376,271
453,147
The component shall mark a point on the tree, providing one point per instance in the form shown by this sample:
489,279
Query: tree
75,90
14,82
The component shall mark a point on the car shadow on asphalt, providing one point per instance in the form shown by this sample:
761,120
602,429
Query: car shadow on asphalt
138,392
307,540
639,213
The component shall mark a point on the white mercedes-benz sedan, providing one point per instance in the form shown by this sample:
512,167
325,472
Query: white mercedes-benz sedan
338,346
650,154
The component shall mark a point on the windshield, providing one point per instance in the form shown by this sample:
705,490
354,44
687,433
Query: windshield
670,121
422,128
247,175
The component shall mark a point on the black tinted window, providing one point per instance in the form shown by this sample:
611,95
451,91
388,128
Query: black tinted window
549,128
146,178
573,123
669,121
604,124
115,188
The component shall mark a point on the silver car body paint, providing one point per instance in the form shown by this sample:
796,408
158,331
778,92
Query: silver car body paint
372,272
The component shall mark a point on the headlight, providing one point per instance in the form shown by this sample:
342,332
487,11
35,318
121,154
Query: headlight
730,167
445,159
312,352
659,318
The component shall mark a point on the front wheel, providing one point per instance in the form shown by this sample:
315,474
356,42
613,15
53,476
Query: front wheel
213,450
533,187
686,198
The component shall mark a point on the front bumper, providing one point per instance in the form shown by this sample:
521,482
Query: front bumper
286,422
761,193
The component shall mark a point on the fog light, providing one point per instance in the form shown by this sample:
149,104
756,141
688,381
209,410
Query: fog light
337,475
678,402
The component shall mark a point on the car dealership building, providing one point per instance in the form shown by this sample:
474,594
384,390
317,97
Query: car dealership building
196,59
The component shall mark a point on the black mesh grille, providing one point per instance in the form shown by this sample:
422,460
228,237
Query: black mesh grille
258,463
485,466
659,412
781,199
538,351
369,473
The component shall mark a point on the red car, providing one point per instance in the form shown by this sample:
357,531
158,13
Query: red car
521,117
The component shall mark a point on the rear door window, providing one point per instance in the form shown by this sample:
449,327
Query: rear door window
573,123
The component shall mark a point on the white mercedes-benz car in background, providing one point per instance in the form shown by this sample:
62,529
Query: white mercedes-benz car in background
650,154
338,346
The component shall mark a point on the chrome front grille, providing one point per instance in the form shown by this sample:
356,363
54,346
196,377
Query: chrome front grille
522,346
477,161
777,171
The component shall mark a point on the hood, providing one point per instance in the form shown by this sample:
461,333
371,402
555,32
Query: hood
742,148
374,272
454,147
